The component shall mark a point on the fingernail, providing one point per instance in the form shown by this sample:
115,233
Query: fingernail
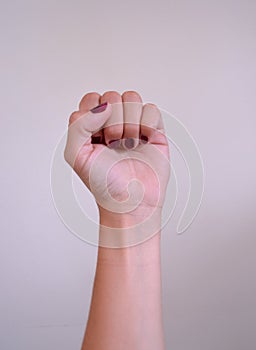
96,139
114,144
100,108
129,143
144,139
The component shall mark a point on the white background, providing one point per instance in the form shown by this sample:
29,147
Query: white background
195,59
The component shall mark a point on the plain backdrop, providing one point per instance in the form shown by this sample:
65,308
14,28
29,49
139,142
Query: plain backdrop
195,59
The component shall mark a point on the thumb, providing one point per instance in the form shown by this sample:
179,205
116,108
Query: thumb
81,129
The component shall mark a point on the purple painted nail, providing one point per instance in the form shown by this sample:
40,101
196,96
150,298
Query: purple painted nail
129,143
144,139
99,108
114,144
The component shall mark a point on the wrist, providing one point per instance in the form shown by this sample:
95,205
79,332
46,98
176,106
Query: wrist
120,230
137,216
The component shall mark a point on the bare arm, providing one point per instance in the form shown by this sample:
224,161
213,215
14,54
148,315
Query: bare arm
120,152
126,310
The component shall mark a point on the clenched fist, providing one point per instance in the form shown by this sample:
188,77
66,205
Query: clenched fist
118,148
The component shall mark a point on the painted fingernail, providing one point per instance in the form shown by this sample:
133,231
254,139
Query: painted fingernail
129,143
100,108
96,139
144,139
114,144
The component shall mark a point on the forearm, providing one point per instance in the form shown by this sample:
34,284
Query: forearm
118,148
126,310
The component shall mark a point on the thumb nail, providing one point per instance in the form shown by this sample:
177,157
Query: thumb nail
100,108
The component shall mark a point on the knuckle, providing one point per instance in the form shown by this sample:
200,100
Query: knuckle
111,96
74,116
92,94
131,95
88,98
152,106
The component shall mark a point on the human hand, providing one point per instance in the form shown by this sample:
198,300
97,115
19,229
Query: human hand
120,152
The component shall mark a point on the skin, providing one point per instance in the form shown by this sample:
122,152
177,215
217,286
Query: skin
126,310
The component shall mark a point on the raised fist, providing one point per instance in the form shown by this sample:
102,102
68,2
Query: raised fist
118,148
